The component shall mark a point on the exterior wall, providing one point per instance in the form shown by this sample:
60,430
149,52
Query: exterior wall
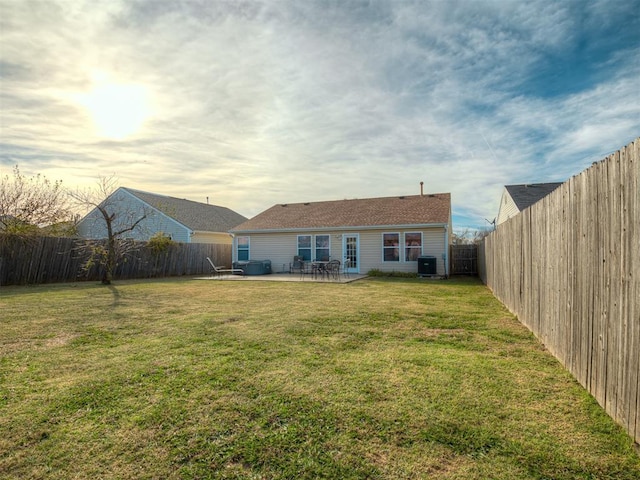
93,225
212,237
507,209
132,208
371,254
280,248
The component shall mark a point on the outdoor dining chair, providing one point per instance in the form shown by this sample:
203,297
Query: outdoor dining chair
332,269
305,269
296,265
346,265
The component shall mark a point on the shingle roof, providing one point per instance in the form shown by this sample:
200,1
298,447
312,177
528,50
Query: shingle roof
369,212
527,194
194,215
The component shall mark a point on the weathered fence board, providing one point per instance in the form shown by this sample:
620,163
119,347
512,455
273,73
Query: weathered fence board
569,267
50,259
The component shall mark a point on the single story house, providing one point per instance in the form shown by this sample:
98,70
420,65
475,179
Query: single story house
182,220
515,198
388,234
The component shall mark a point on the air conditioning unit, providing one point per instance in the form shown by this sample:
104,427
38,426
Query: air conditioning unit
427,265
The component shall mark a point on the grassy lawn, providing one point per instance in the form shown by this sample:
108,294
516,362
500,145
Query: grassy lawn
381,378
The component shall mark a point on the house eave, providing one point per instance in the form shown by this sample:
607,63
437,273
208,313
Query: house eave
207,232
341,228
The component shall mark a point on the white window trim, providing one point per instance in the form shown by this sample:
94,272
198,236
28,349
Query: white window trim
404,249
399,247
248,249
311,245
315,245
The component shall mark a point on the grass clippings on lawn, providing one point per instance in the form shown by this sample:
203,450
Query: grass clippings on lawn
381,378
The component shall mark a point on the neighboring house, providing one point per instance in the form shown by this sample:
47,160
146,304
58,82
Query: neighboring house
182,220
388,233
516,198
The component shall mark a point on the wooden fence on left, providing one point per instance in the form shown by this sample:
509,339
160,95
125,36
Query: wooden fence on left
51,259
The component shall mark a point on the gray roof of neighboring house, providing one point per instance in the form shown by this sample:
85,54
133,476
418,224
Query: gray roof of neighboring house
367,212
197,216
526,195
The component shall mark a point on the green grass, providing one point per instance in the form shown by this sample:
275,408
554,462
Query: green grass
381,378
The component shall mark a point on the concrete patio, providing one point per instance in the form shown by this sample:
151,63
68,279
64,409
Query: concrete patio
284,277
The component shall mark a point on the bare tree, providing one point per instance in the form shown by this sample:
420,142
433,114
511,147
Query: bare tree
460,237
118,221
470,236
480,235
31,206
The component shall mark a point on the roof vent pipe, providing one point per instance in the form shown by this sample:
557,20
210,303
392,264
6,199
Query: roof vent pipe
421,191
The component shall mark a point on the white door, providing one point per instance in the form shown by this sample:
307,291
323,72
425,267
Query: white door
351,252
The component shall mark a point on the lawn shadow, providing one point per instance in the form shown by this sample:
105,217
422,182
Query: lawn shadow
116,295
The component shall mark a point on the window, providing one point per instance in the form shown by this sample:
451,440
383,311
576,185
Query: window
304,247
243,248
322,247
412,246
391,247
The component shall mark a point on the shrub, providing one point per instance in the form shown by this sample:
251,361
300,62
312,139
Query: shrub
379,273
160,243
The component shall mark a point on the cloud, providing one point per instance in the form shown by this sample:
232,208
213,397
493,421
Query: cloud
257,103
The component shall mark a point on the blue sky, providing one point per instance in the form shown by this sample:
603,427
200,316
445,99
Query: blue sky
255,103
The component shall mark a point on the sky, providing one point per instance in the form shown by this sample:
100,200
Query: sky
253,103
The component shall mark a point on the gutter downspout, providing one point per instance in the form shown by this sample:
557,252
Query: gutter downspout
446,251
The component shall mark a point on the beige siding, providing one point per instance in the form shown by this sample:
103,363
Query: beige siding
508,208
211,237
280,248
371,256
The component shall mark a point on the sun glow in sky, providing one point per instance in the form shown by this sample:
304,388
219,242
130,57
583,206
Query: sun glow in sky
118,110
256,103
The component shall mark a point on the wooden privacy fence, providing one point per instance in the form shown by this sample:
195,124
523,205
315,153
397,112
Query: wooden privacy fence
463,259
569,268
50,259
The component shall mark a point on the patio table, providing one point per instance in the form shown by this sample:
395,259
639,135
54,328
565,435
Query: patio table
319,267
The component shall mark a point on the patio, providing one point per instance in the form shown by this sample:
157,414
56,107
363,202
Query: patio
285,277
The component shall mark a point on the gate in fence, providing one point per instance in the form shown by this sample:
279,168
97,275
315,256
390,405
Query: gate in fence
463,259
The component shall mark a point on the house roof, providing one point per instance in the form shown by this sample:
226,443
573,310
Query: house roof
194,215
526,195
368,212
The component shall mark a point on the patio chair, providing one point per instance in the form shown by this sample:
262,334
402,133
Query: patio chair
296,265
221,270
333,269
346,266
306,268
